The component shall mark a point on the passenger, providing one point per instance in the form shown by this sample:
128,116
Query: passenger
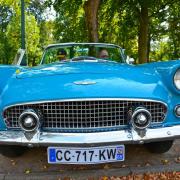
103,54
61,54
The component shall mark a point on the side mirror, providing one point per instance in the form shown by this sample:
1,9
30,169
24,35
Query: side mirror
130,60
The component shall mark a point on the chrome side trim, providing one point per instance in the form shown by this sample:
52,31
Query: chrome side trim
88,139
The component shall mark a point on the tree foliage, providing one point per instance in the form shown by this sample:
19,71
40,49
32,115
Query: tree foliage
38,30
70,21
149,30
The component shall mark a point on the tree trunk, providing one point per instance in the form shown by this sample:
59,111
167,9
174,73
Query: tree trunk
148,47
91,16
33,61
143,34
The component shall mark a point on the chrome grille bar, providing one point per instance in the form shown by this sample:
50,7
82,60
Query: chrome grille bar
85,114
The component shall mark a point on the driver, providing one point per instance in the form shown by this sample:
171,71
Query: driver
61,54
103,54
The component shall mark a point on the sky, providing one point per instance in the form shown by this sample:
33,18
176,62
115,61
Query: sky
50,13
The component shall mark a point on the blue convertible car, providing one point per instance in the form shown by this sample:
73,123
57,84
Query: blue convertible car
85,101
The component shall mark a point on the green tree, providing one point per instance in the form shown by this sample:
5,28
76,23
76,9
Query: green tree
174,29
118,25
5,17
70,21
37,9
148,29
38,30
32,37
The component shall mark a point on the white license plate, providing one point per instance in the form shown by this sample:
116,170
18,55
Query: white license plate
90,155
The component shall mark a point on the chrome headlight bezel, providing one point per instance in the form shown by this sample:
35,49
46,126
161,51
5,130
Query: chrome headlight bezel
177,79
34,115
141,125
176,110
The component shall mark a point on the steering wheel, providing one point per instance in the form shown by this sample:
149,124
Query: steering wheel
79,58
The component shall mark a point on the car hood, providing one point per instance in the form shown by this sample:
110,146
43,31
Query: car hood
84,80
71,68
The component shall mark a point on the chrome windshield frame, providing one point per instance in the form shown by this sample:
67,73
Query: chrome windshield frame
78,44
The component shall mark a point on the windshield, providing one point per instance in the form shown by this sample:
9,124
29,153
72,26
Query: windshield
82,52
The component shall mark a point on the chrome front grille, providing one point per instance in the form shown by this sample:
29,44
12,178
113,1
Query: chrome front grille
85,114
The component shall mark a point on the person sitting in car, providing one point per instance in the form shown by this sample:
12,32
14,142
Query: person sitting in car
61,54
103,54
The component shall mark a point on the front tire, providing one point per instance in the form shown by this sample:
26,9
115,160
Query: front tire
159,147
12,151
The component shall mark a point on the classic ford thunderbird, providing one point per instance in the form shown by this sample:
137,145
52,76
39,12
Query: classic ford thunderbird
86,101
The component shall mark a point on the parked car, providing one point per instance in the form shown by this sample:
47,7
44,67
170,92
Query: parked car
86,101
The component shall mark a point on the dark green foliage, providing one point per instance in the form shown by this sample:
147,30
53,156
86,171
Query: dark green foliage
119,22
5,17
70,21
37,8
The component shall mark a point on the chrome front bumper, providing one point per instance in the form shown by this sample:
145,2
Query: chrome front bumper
87,139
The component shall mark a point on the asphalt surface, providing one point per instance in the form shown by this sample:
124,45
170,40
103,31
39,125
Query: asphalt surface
33,165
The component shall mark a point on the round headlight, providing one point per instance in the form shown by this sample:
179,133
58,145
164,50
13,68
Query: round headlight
177,79
30,120
141,118
177,110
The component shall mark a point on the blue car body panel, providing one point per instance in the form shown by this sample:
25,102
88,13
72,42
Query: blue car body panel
56,81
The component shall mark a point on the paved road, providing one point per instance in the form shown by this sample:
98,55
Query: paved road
33,164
